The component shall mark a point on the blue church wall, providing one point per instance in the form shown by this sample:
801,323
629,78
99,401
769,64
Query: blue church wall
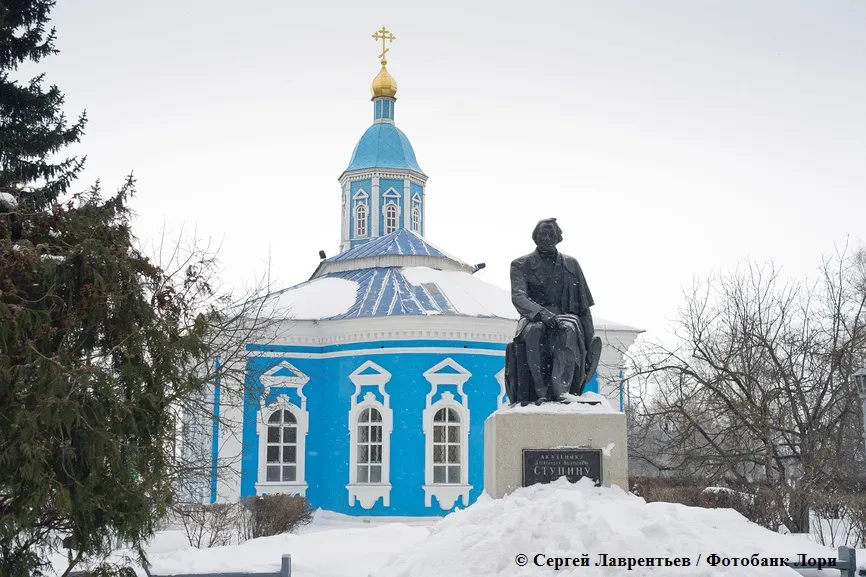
329,393
592,385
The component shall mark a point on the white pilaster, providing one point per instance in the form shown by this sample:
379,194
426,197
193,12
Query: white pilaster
423,210
347,212
407,206
374,213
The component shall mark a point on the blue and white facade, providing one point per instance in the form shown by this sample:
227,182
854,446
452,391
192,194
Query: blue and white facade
370,396
383,186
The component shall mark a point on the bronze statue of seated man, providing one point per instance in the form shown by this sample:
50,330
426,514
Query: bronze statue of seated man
555,350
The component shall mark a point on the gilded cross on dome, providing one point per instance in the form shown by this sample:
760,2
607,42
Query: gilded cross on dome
383,35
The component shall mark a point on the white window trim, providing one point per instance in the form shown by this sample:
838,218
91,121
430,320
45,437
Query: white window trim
358,206
502,399
368,493
360,195
299,486
385,215
270,379
391,193
416,209
446,494
393,203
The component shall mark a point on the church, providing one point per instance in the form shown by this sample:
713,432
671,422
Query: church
370,399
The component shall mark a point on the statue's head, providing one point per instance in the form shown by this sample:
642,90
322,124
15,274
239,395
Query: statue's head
547,234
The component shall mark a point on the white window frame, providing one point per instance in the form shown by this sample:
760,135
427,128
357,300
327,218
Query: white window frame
295,379
446,494
416,219
299,485
452,419
362,206
370,374
369,419
393,208
287,420
416,205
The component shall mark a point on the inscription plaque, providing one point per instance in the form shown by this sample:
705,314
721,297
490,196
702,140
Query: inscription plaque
548,465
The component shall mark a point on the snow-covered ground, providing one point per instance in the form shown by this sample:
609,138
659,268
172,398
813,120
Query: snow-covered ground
544,523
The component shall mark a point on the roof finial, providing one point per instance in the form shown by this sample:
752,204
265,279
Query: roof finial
384,84
384,35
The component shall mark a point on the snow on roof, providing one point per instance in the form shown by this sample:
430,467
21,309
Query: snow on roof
467,294
394,291
562,519
323,298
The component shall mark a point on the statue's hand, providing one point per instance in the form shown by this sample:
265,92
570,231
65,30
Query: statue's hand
549,319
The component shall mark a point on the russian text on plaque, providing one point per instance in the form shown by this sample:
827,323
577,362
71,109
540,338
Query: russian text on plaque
548,465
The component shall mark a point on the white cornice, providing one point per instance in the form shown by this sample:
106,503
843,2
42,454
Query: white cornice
393,328
390,173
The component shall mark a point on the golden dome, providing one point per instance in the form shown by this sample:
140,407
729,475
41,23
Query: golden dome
384,84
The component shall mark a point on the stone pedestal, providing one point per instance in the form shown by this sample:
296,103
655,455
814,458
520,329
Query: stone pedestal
509,431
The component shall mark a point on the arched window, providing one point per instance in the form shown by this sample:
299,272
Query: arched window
390,218
369,447
370,424
446,447
446,430
416,219
282,448
361,220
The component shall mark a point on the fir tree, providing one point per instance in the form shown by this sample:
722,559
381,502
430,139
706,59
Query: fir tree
33,126
96,342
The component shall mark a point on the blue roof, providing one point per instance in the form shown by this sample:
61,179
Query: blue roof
384,146
386,292
400,242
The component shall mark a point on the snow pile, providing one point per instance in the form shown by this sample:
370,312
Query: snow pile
354,551
8,199
567,520
472,296
592,403
468,294
318,299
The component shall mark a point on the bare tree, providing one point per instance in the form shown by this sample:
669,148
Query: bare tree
757,388
245,314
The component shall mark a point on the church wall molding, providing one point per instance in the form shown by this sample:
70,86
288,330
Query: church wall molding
502,397
394,173
302,417
416,327
372,329
447,373
378,351
370,374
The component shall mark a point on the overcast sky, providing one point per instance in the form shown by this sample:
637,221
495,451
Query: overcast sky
670,139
